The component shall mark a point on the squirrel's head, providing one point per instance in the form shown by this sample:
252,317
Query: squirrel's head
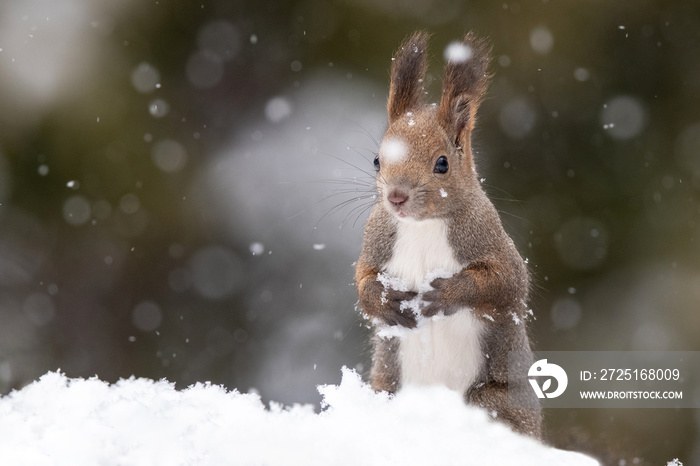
425,165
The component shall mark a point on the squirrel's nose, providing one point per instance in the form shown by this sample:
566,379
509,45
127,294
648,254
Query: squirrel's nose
397,198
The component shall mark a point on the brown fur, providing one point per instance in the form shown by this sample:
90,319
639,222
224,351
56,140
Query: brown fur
407,75
464,86
494,281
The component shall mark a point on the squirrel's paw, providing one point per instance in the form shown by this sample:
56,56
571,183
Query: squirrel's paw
393,310
438,299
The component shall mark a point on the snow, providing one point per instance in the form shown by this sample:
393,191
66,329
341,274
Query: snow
129,203
169,155
541,40
517,117
76,210
214,271
394,283
57,420
204,70
581,74
221,39
457,52
624,117
158,108
256,248
145,77
515,317
147,316
394,150
278,109
566,313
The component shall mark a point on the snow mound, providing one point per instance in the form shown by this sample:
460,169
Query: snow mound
57,420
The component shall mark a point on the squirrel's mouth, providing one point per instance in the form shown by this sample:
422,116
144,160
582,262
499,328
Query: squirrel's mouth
402,211
398,201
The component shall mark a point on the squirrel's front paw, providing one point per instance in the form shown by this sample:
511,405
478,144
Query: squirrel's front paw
394,312
387,305
439,299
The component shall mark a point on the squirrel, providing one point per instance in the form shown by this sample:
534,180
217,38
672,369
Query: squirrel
440,280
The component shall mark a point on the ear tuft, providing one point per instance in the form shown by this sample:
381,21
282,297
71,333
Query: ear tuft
464,85
407,75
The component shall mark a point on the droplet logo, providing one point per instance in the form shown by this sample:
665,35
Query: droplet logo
547,371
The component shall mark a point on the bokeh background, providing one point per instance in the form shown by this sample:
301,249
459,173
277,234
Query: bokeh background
183,186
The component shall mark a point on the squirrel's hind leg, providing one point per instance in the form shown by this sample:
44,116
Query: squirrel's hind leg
385,374
493,397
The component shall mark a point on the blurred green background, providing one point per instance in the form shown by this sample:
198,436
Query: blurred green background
172,200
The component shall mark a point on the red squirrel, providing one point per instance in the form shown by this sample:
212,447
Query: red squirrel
440,280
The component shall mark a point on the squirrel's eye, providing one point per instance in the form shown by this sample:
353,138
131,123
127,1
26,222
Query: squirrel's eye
441,165
376,162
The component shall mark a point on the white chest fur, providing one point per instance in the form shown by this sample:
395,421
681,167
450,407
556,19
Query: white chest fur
445,351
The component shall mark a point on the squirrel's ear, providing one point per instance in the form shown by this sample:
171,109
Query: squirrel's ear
463,86
407,75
